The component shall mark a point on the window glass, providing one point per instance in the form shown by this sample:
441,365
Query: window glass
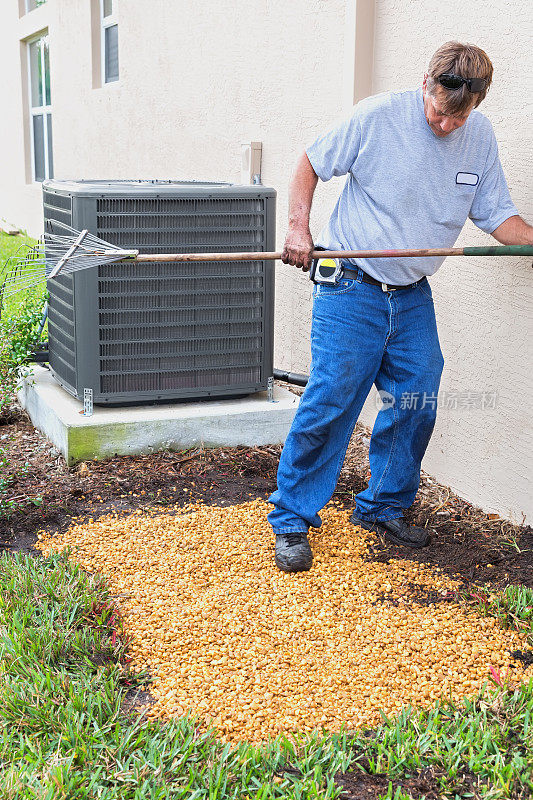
31,4
50,148
36,78
38,147
46,72
108,8
111,53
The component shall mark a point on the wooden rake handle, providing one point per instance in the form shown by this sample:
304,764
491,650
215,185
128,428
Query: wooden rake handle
500,250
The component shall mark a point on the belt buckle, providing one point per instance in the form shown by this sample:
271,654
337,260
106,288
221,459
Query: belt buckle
385,288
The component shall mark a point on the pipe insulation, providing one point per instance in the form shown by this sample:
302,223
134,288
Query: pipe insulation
296,378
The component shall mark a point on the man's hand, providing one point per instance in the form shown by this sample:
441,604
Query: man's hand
298,248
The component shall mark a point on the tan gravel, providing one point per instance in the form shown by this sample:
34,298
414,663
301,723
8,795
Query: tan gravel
255,651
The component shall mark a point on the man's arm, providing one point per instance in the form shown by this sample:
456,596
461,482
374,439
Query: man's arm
514,231
299,242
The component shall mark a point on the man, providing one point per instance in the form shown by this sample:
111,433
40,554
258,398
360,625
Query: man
419,163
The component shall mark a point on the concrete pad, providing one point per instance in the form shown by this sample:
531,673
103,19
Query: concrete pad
133,430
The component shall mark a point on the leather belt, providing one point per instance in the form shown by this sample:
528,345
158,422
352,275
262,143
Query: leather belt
387,287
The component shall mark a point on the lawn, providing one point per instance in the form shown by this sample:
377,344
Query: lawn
65,731
13,248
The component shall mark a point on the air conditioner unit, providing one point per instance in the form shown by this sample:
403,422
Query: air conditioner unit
163,331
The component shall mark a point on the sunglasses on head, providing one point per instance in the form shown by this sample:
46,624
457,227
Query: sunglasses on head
450,81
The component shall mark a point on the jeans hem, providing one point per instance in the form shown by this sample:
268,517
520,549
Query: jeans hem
365,518
290,530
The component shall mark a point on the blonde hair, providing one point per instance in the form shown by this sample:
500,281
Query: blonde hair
465,60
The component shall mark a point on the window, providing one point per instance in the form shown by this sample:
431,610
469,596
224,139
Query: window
40,109
109,40
31,4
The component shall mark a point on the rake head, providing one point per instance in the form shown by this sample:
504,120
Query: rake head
55,254
25,270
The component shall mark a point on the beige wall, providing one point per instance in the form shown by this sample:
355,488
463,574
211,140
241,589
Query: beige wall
18,196
484,306
197,79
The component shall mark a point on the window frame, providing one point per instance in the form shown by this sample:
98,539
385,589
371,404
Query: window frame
107,22
44,110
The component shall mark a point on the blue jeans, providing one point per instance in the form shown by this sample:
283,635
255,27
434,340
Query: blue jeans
360,336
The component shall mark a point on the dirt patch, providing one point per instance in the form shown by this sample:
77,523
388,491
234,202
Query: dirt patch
524,656
137,701
466,543
362,785
418,595
220,477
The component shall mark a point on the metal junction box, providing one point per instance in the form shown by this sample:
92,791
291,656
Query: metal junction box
163,331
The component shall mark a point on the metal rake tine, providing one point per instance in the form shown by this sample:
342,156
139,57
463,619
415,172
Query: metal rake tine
21,277
13,294
10,287
26,267
15,288
21,273
28,276
11,291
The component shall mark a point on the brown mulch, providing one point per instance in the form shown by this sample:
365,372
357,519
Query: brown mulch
466,542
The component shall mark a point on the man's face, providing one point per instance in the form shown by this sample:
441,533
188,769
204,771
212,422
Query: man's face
440,123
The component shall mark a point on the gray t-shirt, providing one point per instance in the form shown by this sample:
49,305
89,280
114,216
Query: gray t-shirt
406,187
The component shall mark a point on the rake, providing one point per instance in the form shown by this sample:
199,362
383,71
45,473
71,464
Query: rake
61,254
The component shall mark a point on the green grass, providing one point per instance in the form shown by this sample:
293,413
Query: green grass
12,247
62,734
10,244
513,607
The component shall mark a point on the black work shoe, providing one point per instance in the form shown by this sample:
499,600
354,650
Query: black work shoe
293,552
395,530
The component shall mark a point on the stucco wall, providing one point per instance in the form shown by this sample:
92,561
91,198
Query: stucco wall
484,306
196,80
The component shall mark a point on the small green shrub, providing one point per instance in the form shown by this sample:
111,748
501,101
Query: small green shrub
18,336
22,332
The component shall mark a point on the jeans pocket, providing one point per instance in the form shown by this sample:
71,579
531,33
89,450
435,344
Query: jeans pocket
345,285
425,289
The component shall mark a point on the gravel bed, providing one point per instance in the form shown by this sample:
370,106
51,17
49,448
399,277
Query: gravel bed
255,651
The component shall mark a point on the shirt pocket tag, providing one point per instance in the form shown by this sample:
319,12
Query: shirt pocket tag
467,178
